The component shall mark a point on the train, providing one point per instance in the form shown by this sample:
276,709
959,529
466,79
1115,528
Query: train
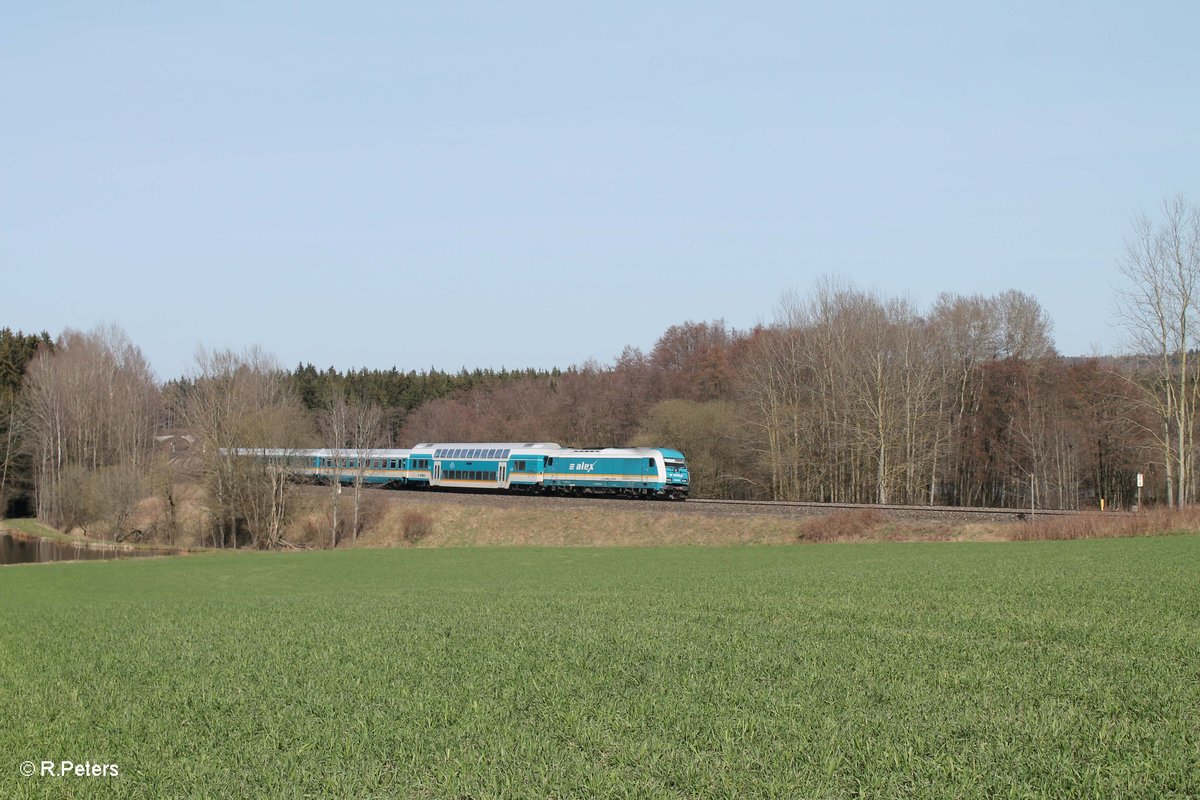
529,467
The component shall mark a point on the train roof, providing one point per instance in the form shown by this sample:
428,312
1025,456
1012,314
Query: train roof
488,445
640,452
302,451
425,448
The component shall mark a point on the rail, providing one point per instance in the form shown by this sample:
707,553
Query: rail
1020,513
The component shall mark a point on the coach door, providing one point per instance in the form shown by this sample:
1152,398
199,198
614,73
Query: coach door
437,470
500,472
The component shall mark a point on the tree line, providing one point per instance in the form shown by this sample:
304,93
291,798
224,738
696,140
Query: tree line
845,396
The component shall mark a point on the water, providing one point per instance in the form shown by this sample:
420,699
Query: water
21,549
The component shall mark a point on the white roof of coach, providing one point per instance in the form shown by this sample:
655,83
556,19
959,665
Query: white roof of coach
488,445
345,452
614,452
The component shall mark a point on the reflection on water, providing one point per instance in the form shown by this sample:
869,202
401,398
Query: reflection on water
19,549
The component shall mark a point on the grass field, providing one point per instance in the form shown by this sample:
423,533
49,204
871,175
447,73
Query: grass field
1041,669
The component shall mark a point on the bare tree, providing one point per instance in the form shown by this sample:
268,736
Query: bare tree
858,398
1025,327
966,335
335,431
90,403
352,428
709,434
1158,306
367,432
240,401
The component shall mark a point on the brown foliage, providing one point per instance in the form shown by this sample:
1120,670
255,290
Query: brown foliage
841,526
1100,525
417,525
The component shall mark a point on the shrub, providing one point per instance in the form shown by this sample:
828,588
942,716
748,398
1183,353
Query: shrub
841,525
1099,525
416,525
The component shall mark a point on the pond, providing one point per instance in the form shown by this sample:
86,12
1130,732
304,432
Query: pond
21,549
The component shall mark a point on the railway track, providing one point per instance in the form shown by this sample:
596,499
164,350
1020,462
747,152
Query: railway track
893,510
783,508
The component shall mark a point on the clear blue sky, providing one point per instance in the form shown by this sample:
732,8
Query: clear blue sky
487,184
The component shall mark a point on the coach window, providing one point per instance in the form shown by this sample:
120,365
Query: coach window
650,462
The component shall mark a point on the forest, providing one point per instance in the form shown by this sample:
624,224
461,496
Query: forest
845,396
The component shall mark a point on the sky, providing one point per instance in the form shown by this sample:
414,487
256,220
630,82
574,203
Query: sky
522,184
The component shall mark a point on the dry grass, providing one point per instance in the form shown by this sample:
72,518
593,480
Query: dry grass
860,524
454,525
413,519
416,526
1100,525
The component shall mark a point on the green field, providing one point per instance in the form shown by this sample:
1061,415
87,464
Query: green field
1050,669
